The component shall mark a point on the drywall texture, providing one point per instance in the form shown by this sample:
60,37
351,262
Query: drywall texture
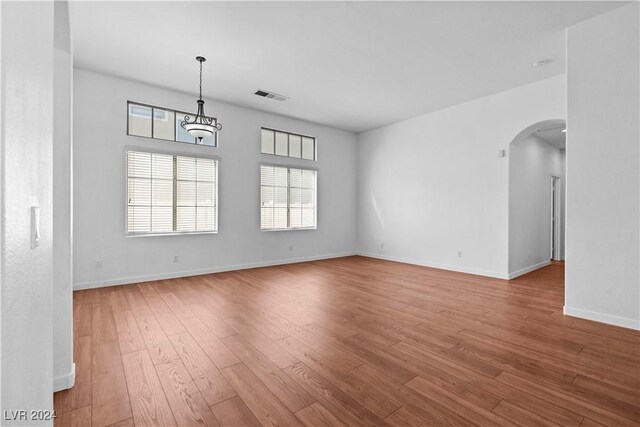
26,83
432,188
603,171
532,162
63,370
100,112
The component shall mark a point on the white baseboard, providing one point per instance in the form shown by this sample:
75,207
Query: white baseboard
436,265
602,317
529,269
65,381
197,272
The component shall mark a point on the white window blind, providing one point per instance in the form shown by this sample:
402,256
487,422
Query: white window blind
169,193
288,198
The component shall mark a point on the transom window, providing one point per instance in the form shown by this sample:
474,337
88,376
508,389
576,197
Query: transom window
165,124
288,198
171,194
288,144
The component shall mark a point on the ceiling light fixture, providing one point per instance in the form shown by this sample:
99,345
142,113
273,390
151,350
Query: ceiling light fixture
201,126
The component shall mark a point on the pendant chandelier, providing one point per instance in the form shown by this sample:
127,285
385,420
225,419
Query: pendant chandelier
201,126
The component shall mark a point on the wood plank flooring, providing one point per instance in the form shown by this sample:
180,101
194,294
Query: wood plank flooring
351,341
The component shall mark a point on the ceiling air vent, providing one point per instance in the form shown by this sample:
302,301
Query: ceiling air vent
271,95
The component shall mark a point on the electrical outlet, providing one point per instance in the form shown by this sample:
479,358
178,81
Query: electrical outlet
175,258
290,248
99,263
381,245
459,254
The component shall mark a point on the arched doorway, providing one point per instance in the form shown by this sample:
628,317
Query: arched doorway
536,196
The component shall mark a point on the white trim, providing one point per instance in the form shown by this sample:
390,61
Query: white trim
170,152
436,265
555,223
623,322
166,233
529,269
269,230
65,381
187,273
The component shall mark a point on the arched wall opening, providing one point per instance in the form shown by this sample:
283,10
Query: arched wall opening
537,160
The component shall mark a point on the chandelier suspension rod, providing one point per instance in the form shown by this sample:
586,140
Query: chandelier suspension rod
201,60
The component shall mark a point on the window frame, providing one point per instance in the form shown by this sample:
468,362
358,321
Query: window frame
150,150
176,113
301,135
315,195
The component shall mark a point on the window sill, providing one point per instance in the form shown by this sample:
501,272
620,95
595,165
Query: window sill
172,233
268,230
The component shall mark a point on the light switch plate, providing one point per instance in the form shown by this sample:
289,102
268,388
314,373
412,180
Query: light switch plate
35,226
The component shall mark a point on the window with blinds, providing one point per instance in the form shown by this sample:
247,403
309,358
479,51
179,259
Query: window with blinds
288,198
171,194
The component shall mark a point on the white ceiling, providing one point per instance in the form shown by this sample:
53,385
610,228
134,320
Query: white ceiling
351,65
554,136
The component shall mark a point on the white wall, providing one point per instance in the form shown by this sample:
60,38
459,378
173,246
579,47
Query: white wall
99,141
532,162
433,186
26,86
603,171
63,368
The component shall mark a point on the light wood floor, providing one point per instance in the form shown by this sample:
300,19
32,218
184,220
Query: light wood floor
350,341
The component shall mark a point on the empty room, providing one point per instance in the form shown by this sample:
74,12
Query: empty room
333,213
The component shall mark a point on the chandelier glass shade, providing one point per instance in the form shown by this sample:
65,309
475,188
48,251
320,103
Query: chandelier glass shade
201,126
